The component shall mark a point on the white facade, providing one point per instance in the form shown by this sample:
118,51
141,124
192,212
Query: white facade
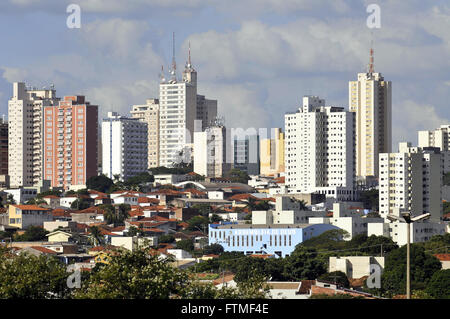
437,138
411,180
23,194
370,98
355,266
397,231
25,122
149,113
320,150
124,143
210,152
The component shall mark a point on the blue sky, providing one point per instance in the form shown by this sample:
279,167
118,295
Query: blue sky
257,57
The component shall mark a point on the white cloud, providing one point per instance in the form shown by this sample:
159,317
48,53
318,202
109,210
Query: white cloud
410,117
13,74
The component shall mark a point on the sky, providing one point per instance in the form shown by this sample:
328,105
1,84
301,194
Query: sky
256,57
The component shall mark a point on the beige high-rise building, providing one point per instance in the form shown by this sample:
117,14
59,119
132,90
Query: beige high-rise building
25,109
438,138
370,97
272,153
149,113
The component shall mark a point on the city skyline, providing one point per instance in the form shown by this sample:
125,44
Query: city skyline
230,50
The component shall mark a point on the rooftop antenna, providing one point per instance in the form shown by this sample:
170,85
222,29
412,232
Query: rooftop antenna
371,60
173,72
161,75
189,56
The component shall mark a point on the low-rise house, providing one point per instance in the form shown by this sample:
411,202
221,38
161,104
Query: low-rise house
286,290
52,200
355,266
322,287
126,199
55,224
22,194
24,216
134,243
59,236
88,216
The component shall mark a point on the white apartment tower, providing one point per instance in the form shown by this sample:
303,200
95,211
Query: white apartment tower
177,113
411,180
370,98
438,138
210,152
124,143
179,108
149,113
25,109
320,150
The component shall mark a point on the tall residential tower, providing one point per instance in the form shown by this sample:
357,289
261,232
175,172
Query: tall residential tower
370,98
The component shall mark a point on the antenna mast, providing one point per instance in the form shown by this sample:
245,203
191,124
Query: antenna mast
174,63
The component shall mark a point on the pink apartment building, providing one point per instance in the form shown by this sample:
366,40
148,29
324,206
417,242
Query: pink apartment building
70,142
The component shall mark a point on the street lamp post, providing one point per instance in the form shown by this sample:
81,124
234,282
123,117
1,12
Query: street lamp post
409,220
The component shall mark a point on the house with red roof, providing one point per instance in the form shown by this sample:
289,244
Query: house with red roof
444,259
24,216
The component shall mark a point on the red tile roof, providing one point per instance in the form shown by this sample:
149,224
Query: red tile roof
31,207
240,197
44,250
51,196
443,257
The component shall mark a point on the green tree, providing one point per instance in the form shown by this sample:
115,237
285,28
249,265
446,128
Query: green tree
134,275
423,266
337,277
237,176
30,277
166,239
80,204
215,218
99,183
95,236
10,199
370,199
439,285
186,245
32,233
198,223
303,264
214,249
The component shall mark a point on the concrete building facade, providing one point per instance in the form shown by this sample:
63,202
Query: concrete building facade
320,150
25,130
272,153
210,152
370,98
125,148
411,180
437,138
149,113
70,142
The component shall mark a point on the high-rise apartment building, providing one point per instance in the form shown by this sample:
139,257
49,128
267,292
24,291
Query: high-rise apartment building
149,113
411,180
177,114
272,153
179,108
320,151
246,152
25,129
370,98
206,111
70,142
124,143
210,154
3,147
438,138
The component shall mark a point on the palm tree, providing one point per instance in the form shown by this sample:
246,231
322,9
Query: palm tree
95,235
